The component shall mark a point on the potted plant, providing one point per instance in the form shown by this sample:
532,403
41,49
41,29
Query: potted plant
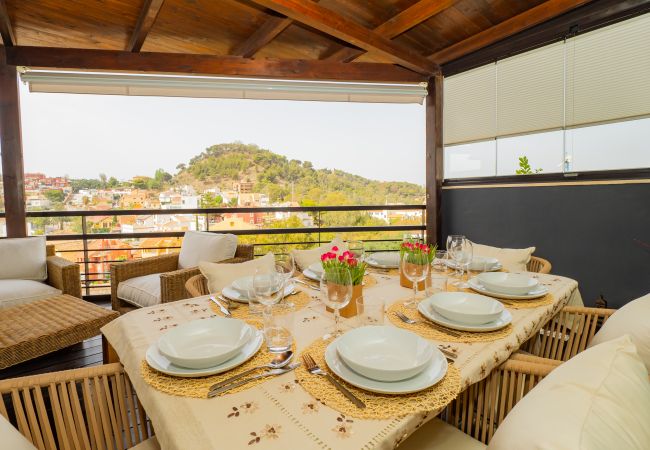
416,253
334,264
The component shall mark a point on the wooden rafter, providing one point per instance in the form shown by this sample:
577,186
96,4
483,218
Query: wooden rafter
333,24
148,16
529,18
266,33
72,58
6,30
401,23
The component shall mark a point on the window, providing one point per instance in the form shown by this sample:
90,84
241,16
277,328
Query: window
544,152
475,159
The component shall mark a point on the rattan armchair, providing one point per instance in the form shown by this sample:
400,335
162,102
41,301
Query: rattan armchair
172,279
63,274
197,286
93,407
539,265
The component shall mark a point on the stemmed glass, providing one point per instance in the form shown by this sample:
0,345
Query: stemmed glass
461,251
450,240
357,249
268,288
285,265
336,292
415,267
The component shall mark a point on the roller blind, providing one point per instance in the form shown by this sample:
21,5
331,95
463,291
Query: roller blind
470,106
608,73
530,91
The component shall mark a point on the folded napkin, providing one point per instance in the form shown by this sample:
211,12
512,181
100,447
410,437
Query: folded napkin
304,258
220,276
512,259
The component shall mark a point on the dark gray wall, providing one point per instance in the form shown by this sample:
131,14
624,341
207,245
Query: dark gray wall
598,235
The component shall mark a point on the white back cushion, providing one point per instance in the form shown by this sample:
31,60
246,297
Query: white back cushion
512,259
23,259
599,399
200,246
305,258
632,319
140,291
221,275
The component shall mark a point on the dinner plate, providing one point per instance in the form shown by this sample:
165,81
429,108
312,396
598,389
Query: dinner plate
452,265
382,263
427,311
311,275
233,294
476,285
430,375
158,362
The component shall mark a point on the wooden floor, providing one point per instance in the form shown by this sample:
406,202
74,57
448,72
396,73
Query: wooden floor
83,354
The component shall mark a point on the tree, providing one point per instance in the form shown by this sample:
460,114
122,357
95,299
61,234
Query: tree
54,195
102,180
209,200
112,182
162,177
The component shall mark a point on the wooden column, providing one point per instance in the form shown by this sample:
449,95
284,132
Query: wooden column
434,159
11,147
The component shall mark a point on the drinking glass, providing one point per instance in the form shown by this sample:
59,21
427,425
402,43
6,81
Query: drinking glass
285,265
435,283
336,292
357,249
370,311
415,268
268,288
439,264
461,251
278,329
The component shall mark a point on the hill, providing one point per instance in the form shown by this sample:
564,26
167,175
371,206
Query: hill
277,176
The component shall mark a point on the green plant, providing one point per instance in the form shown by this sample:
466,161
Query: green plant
524,167
335,264
417,253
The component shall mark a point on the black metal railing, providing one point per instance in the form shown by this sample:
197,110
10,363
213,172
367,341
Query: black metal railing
322,228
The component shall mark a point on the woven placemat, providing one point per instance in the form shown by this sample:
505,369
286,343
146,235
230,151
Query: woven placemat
199,387
300,300
429,330
378,406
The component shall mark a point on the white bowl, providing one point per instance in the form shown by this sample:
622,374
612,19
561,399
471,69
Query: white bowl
317,268
243,285
508,283
385,258
479,262
204,343
384,353
466,308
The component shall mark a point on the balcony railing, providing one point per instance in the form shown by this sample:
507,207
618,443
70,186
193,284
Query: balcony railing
95,246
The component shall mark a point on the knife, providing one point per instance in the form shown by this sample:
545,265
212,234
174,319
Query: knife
268,373
222,308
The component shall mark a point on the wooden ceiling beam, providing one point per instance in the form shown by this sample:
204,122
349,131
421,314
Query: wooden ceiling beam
112,60
393,27
6,30
529,18
147,18
333,24
264,34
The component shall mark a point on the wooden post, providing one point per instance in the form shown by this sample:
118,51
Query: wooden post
11,147
434,159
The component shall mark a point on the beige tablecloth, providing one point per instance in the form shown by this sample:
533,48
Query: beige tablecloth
279,414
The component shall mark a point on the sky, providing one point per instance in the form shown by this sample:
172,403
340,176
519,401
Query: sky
85,135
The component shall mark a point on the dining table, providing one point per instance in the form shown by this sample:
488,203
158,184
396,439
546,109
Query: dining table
279,413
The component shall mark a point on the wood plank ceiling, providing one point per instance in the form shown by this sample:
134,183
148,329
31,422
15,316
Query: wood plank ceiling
415,34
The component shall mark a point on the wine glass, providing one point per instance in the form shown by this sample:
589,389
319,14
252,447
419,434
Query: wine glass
451,240
285,265
461,251
415,267
357,249
268,288
336,292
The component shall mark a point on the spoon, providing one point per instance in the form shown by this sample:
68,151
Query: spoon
279,361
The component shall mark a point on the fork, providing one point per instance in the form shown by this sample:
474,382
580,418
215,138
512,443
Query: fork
314,369
404,318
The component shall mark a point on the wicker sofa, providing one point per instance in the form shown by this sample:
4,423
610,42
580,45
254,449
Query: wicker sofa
63,274
172,279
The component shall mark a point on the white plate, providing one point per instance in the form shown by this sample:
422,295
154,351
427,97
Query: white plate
383,260
233,294
311,275
204,343
452,265
476,285
316,268
158,362
385,353
466,308
431,374
427,311
508,283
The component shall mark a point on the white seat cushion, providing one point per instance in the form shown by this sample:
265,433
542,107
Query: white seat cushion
23,259
140,291
439,435
221,275
11,438
18,292
512,259
149,444
200,246
304,258
632,319
599,399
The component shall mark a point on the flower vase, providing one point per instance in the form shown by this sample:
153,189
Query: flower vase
350,310
405,282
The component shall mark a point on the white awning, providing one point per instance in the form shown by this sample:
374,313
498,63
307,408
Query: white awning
213,87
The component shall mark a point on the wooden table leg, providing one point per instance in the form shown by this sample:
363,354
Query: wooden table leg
110,355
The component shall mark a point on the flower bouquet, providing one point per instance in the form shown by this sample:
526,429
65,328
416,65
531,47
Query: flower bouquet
336,267
415,253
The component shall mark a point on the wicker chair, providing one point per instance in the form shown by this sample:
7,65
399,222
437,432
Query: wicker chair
539,265
93,407
197,286
172,279
63,274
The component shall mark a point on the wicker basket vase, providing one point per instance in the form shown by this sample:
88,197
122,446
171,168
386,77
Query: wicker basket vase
350,310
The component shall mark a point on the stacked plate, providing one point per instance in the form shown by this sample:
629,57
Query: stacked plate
386,360
383,260
512,286
479,263
465,312
314,271
241,289
204,347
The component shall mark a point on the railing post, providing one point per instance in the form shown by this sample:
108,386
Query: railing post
85,246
